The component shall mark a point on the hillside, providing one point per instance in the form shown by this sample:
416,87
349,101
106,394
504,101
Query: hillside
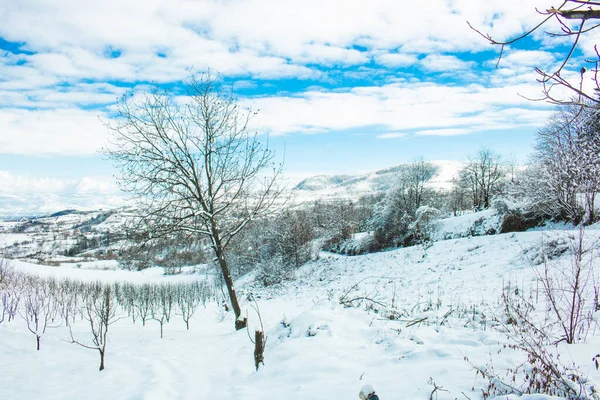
340,323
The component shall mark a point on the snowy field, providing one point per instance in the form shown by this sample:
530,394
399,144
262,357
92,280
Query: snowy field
317,346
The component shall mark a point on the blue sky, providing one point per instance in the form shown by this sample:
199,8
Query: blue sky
342,86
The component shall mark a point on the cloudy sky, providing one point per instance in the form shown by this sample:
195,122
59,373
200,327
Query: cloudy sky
342,86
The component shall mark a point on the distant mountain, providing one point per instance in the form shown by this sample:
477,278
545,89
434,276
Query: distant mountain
64,212
355,186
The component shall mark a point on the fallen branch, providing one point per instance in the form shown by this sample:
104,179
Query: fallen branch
348,303
446,316
416,321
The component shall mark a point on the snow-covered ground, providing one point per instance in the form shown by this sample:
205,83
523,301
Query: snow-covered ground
107,271
469,224
316,347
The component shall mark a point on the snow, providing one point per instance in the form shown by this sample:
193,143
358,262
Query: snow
477,223
96,273
366,390
9,239
316,346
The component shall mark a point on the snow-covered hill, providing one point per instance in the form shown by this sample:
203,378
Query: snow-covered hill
65,233
355,186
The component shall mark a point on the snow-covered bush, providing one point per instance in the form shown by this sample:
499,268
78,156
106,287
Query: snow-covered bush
273,247
134,258
405,231
541,370
425,226
562,182
273,270
500,205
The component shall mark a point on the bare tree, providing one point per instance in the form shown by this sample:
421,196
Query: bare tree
38,307
66,295
415,178
143,302
189,296
9,304
163,301
9,294
125,294
195,166
571,20
100,311
6,273
458,197
588,142
483,176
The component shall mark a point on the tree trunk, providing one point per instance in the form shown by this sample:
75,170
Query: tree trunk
240,323
38,342
590,205
101,359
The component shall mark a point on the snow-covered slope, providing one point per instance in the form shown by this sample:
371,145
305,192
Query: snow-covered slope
317,347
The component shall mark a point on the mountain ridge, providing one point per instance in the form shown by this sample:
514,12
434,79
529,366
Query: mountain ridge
354,186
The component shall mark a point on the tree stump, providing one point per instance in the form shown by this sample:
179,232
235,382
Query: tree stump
259,348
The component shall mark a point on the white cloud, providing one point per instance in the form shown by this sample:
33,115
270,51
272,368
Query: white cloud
444,132
52,131
19,184
244,84
399,107
397,59
46,104
391,135
27,194
526,58
77,95
327,55
246,37
443,63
